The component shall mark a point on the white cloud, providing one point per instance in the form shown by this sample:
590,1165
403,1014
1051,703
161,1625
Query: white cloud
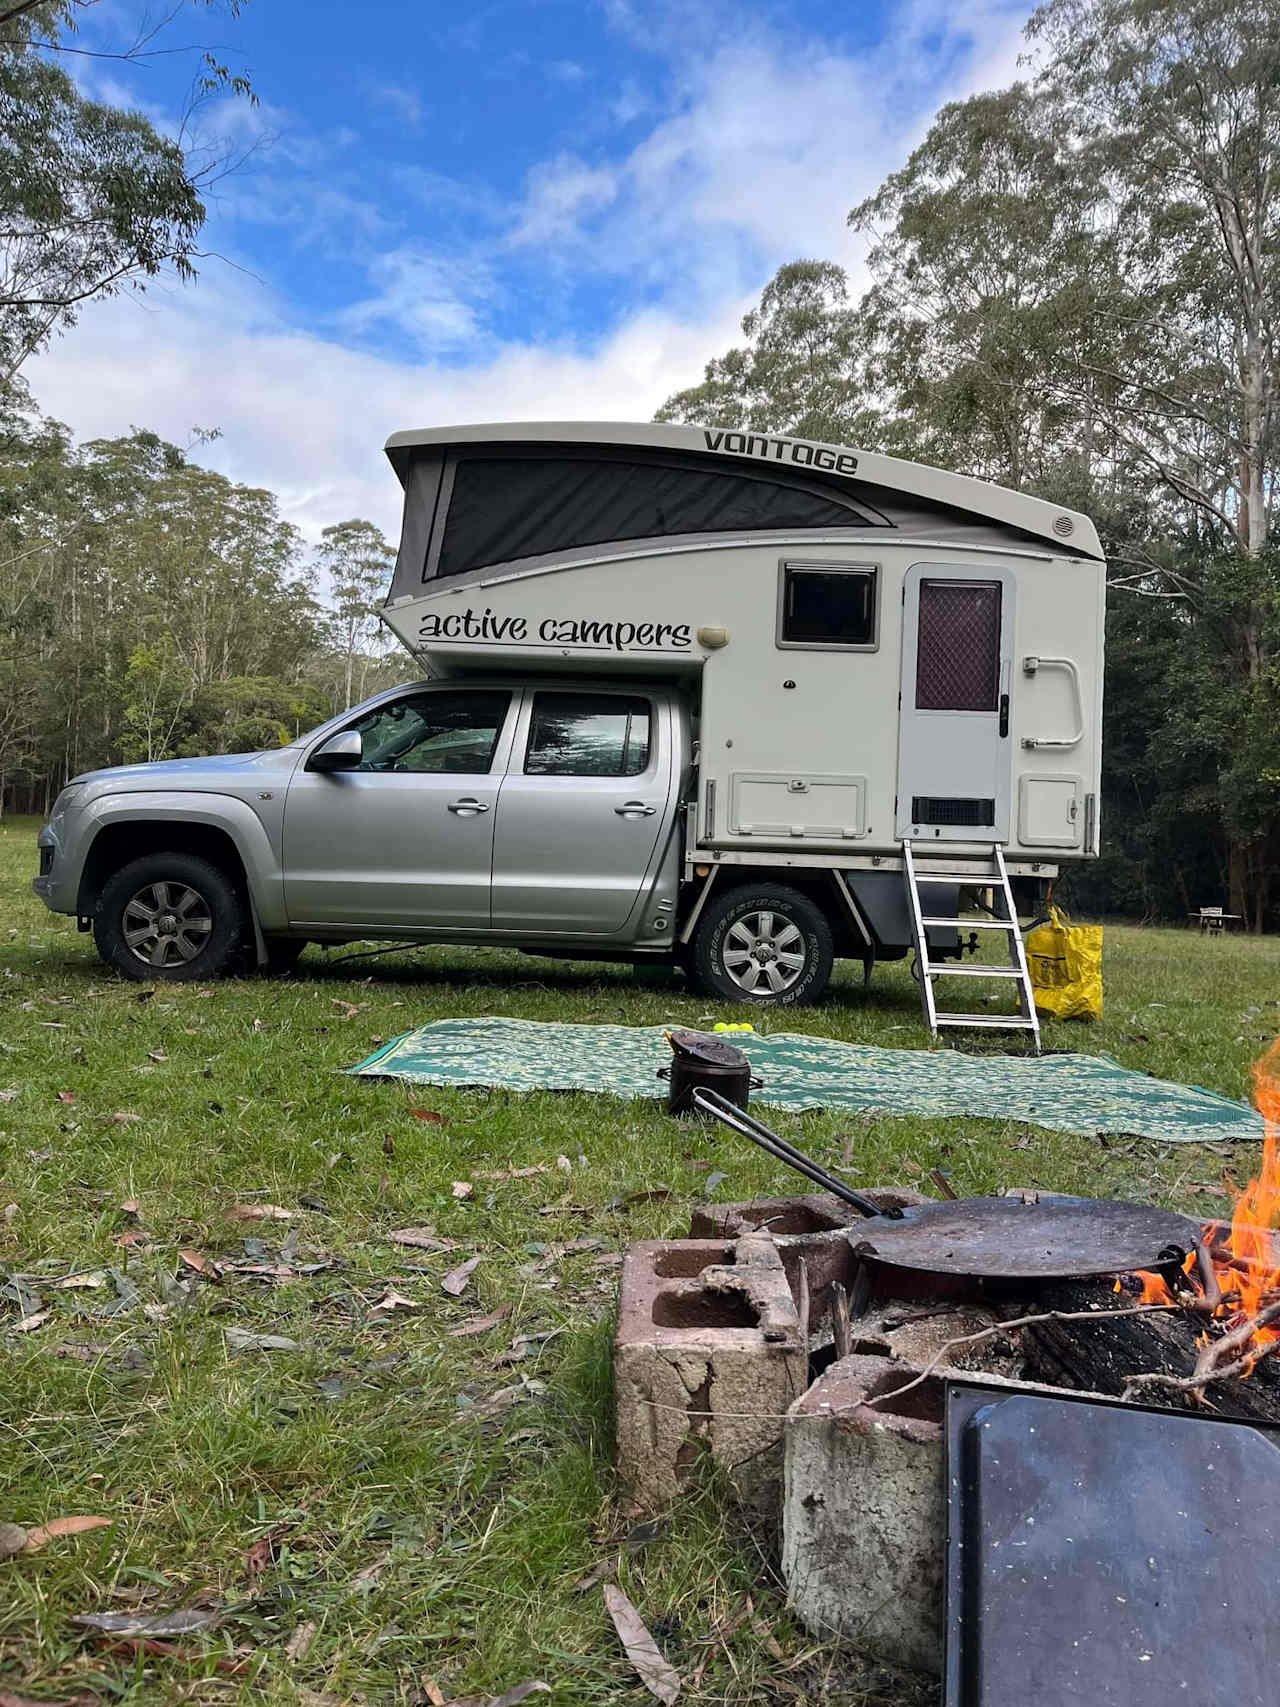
559,194
434,298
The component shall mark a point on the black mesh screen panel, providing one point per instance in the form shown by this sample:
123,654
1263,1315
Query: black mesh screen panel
504,508
958,646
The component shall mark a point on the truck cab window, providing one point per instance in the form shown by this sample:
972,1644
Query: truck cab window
579,734
827,606
451,733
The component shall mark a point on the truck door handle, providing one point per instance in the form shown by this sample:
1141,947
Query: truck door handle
468,808
635,809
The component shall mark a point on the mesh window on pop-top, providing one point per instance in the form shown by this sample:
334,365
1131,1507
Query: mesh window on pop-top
505,508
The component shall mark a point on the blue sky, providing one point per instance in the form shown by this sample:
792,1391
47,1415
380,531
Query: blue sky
504,209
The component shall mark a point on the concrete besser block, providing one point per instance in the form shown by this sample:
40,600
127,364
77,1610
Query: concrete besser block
863,1512
710,1354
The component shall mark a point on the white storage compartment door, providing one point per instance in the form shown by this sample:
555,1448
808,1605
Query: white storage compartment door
773,804
1049,811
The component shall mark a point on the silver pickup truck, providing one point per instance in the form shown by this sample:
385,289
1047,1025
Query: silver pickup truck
545,815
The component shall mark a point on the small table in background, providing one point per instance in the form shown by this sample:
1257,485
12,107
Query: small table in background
1213,921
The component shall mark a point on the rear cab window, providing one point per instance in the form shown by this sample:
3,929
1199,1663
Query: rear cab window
589,734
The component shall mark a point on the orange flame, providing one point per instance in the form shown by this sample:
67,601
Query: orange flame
1247,1261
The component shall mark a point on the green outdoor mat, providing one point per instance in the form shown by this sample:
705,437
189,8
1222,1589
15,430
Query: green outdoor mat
1068,1093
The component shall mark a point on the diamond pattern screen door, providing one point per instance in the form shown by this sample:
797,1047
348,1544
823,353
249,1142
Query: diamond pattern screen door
953,781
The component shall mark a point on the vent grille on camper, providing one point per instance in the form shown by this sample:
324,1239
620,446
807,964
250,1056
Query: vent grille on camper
935,809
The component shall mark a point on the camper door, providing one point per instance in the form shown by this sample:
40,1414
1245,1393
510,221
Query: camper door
953,738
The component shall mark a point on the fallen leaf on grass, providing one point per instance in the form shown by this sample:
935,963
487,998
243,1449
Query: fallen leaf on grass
388,1145
13,1538
462,1188
522,1346
201,1265
455,1282
131,1207
431,1689
10,1213
124,1117
259,1558
8,1096
349,1009
371,1574
535,1686
66,1096
480,1324
60,1526
239,1339
135,1236
428,1114
599,1573
395,1301
259,1212
658,1677
90,1282
133,1646
181,1621
564,1164
422,1239
295,1649
29,1324
516,1173
156,1055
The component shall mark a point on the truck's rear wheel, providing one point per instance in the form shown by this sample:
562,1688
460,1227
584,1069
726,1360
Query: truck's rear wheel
763,943
169,916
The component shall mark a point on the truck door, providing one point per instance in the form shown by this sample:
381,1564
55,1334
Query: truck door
405,839
580,810
953,724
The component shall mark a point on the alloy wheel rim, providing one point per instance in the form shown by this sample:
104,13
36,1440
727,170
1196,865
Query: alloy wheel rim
166,924
763,953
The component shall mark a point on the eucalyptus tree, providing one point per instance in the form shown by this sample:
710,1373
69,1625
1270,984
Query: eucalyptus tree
801,369
93,198
357,562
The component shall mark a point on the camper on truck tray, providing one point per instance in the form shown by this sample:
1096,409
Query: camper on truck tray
689,695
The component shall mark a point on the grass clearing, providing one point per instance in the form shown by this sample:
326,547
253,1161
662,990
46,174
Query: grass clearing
369,1483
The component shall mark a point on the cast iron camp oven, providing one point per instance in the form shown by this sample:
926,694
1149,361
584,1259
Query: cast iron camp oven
699,1060
993,1238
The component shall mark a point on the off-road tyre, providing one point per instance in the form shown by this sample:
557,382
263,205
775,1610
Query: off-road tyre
732,929
202,937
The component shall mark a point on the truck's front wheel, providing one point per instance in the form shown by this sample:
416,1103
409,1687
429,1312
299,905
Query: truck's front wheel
763,943
169,916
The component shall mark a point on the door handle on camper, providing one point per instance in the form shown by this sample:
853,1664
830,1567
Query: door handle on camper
1004,715
1031,665
635,809
467,808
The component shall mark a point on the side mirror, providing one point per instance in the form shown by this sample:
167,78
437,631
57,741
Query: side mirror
342,752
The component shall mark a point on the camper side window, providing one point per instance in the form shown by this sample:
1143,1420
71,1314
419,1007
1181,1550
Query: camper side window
823,606
578,734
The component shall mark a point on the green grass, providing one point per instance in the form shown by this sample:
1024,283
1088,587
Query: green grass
426,1533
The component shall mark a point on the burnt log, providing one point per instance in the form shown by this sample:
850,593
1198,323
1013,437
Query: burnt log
1102,1353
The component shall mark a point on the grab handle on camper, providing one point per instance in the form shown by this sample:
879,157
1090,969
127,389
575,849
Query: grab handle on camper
1031,665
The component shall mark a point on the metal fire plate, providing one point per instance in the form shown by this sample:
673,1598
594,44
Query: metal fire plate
1004,1238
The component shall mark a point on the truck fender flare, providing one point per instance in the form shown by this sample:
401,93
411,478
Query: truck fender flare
260,862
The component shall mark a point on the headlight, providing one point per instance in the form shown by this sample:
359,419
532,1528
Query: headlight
65,798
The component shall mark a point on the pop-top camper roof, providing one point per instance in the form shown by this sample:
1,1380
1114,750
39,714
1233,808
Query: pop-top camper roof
482,499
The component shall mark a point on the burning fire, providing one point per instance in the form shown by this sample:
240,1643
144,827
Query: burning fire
1245,1256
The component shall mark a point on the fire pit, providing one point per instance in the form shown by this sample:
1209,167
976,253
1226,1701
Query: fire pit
806,1342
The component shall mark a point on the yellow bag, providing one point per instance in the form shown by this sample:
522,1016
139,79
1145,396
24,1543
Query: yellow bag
1065,962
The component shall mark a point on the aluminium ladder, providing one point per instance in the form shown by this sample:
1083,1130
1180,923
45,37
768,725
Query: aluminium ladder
987,872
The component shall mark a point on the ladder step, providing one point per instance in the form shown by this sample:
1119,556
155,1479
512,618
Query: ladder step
989,1022
978,924
975,879
943,969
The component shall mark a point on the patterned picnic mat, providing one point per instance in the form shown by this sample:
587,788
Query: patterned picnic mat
1068,1093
